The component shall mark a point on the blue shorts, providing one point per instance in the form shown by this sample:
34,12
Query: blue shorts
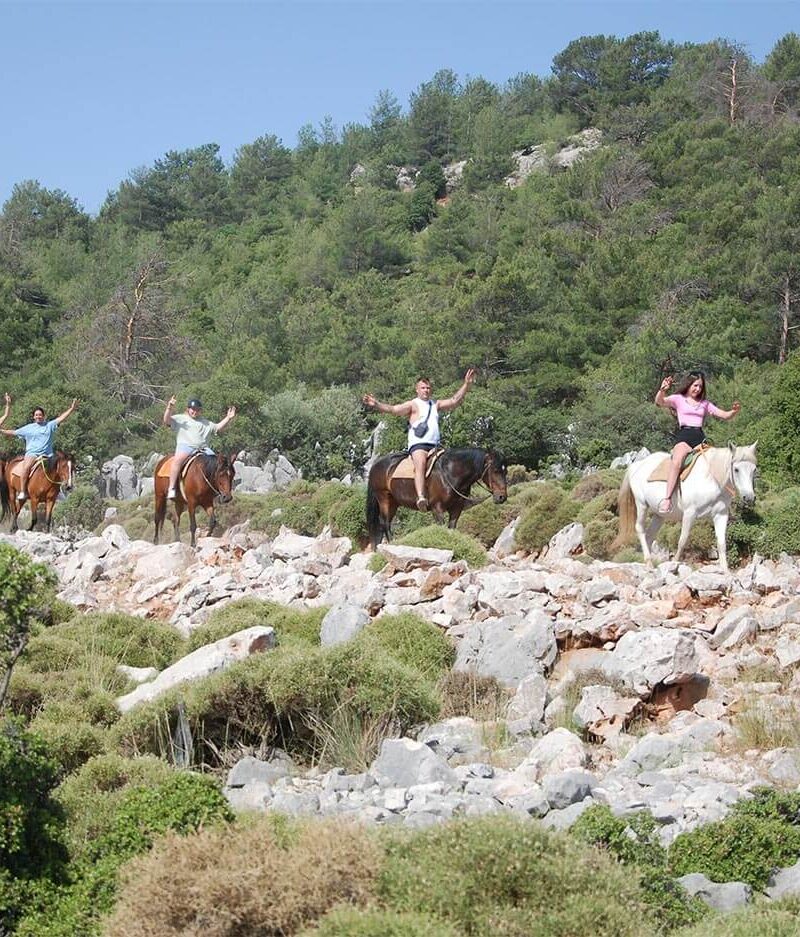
427,446
183,449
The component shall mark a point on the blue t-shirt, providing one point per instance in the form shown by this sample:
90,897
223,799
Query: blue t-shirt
38,437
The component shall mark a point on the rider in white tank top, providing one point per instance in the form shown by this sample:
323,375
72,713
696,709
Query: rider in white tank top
433,435
416,411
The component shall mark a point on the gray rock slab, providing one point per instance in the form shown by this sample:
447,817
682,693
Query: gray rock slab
784,883
342,623
406,763
724,896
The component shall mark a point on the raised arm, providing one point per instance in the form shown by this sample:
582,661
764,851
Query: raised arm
226,419
661,399
727,414
398,409
4,417
450,403
167,418
68,412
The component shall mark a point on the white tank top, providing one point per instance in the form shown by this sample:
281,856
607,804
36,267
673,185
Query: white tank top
433,435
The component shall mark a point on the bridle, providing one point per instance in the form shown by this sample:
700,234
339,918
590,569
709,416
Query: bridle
55,481
216,491
480,481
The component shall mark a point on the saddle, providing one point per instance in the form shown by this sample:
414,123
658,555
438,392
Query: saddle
405,467
661,472
163,471
38,465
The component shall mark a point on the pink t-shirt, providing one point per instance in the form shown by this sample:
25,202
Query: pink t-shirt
691,413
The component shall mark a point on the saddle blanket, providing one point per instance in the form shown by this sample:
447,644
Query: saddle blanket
163,471
405,468
661,472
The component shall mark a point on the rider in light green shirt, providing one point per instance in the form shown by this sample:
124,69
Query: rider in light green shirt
193,434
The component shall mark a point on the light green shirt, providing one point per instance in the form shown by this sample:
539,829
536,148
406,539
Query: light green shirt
192,432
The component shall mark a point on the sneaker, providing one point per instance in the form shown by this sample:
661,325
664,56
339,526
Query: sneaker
665,506
422,504
171,494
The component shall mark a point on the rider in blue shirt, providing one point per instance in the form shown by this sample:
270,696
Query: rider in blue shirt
38,437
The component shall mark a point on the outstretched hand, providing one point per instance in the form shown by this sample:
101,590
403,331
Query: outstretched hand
74,404
469,377
369,401
7,398
231,413
667,383
736,407
172,401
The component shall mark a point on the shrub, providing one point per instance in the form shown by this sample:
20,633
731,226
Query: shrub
782,525
246,880
517,474
470,694
411,640
503,876
137,642
742,848
279,697
487,520
547,511
701,543
599,534
291,625
69,736
352,922
348,518
83,508
376,563
597,483
770,919
463,546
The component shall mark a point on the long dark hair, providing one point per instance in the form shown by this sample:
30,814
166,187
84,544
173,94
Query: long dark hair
687,382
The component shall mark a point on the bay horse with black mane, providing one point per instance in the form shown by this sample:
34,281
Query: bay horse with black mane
447,487
207,479
48,476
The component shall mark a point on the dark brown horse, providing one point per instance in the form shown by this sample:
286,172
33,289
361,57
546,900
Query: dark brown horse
208,479
46,479
447,487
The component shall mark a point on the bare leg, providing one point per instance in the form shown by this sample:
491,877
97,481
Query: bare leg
25,470
178,461
420,459
720,522
686,526
679,453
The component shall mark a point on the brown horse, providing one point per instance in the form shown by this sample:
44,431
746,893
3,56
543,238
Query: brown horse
208,478
45,481
447,487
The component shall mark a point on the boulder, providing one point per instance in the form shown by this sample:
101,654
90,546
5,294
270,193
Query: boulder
724,896
168,559
567,542
201,663
505,544
508,648
459,735
405,558
342,623
643,659
119,479
559,750
405,763
568,787
784,883
529,700
603,712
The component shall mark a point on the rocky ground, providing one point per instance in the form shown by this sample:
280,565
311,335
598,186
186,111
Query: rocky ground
665,661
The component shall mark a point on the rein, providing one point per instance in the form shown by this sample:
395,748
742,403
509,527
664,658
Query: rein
479,481
53,481
208,482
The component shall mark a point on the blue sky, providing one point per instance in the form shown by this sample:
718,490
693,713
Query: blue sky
93,90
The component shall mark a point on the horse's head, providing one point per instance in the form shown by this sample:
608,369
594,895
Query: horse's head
743,470
64,470
223,477
496,476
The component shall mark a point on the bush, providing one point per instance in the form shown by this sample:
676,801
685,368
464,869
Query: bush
413,641
547,510
470,694
137,642
599,534
487,520
503,876
352,922
83,509
597,483
246,880
743,847
281,697
701,544
291,625
781,532
463,546
70,737
770,919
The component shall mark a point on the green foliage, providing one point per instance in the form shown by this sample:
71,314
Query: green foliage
547,509
137,642
82,509
25,587
291,625
781,532
349,922
415,642
486,521
464,547
501,875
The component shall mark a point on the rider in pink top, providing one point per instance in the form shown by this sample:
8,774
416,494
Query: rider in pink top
691,408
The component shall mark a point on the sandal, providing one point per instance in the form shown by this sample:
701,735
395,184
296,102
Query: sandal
667,509
422,504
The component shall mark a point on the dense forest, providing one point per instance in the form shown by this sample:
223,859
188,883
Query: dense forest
288,284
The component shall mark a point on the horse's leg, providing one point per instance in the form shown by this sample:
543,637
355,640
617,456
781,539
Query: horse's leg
454,513
212,519
686,527
177,510
720,522
48,513
641,513
656,523
33,505
159,513
192,523
15,506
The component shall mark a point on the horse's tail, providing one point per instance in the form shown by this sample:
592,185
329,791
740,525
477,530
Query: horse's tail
374,528
5,501
627,514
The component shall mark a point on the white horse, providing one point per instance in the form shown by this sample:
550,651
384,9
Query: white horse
707,492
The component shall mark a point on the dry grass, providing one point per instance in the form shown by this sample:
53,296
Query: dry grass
469,694
765,725
256,879
348,738
571,694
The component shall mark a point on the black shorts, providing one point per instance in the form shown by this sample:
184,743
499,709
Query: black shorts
691,435
427,446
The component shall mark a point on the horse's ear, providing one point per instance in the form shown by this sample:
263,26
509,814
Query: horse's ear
732,445
752,449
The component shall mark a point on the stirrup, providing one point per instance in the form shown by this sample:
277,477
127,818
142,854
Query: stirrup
422,503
